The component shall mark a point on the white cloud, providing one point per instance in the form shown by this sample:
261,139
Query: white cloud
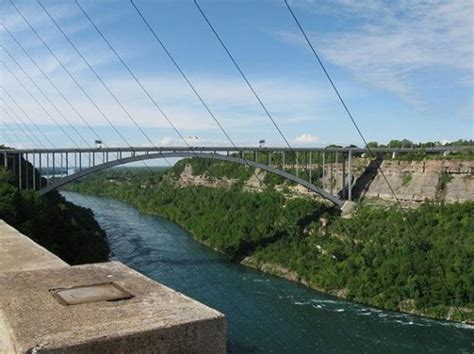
396,41
167,141
290,101
306,138
193,140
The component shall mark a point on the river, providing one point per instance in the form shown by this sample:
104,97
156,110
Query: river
265,314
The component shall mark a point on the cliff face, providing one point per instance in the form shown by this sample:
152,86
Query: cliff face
412,181
417,181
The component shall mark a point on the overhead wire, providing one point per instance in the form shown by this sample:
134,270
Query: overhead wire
47,98
50,81
28,117
12,133
247,81
190,84
42,93
40,105
18,127
31,135
49,115
117,131
68,72
47,77
130,117
138,82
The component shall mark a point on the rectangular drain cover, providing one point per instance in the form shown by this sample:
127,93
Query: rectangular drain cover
91,293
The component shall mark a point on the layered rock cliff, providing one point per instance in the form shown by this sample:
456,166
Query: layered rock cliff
412,181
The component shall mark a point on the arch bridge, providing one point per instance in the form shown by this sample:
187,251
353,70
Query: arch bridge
44,170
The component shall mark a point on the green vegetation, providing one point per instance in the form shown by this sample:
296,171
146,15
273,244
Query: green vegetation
67,230
422,155
406,179
420,261
386,259
444,179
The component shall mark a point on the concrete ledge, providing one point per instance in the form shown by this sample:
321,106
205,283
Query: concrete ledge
157,319
18,252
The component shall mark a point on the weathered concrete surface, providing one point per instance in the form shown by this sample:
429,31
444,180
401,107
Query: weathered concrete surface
18,252
156,320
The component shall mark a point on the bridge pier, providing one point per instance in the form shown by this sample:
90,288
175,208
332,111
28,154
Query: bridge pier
324,168
330,174
310,168
27,172
297,164
54,166
19,172
34,172
349,197
40,163
344,190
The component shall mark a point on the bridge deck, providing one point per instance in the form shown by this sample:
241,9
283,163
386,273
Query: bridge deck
440,149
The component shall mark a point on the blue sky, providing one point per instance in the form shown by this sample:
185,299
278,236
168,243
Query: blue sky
405,69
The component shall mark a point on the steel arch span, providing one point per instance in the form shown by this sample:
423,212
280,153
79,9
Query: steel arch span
213,156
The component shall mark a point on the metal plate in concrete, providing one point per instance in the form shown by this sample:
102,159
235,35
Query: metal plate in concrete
91,293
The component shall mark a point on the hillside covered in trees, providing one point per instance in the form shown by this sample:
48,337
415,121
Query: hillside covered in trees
67,230
417,261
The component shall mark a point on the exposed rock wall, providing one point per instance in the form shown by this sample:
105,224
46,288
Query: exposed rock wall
418,181
412,181
188,179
